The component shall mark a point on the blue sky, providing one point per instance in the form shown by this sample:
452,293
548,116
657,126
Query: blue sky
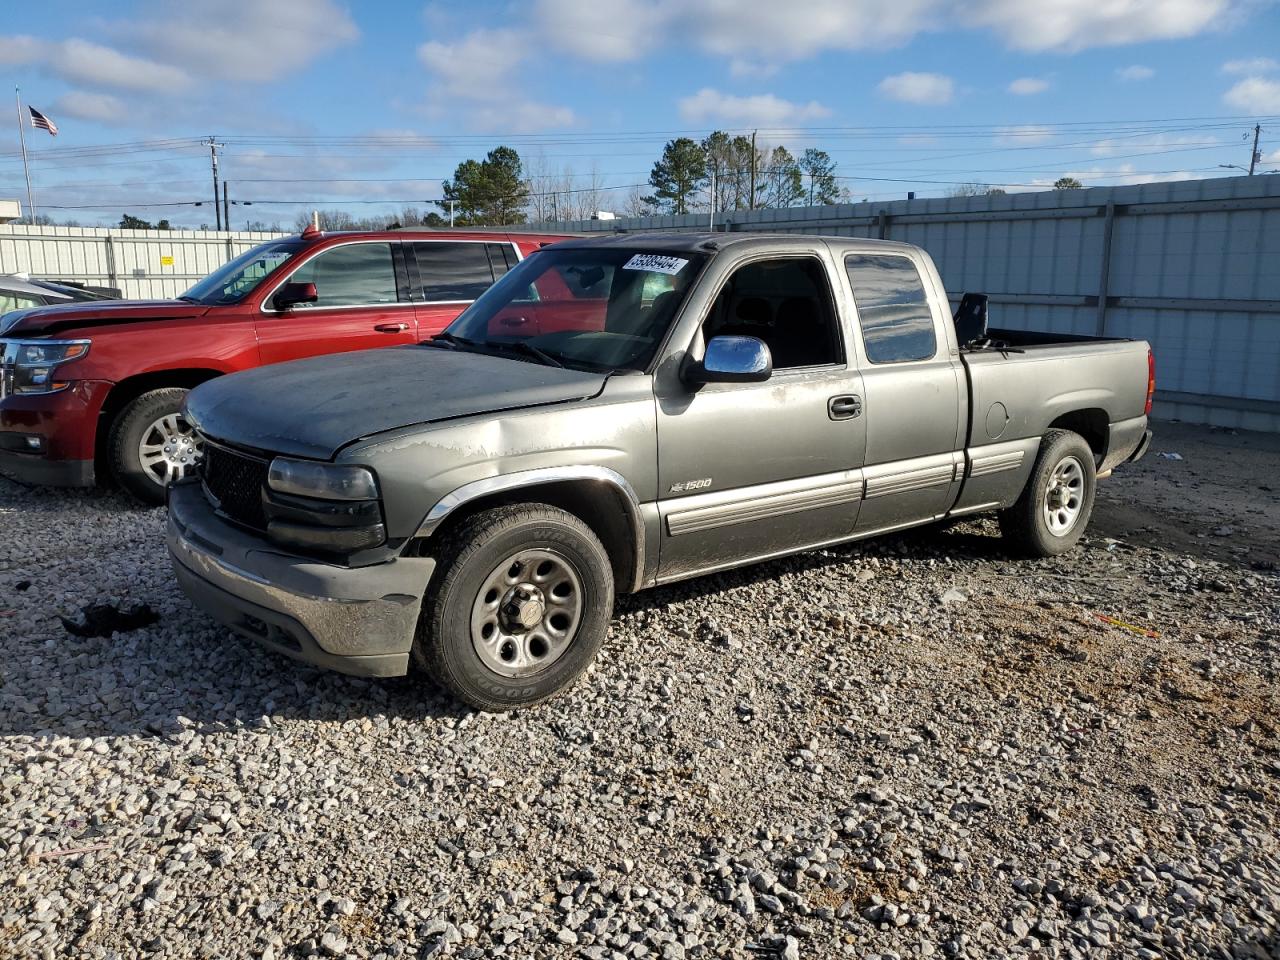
366,106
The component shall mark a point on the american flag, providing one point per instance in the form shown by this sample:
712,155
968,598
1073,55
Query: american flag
38,119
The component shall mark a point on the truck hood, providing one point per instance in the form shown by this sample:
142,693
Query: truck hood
313,408
46,321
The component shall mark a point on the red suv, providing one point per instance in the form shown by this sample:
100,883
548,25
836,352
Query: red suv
100,385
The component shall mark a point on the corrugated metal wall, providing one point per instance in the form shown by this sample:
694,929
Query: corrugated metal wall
144,264
1192,266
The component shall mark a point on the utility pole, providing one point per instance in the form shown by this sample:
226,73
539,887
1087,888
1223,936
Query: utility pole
226,206
451,203
711,220
1255,156
751,199
213,146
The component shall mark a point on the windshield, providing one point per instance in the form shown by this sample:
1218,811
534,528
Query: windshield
232,281
594,307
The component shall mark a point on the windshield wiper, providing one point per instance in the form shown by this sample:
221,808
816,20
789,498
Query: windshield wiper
185,299
524,346
449,340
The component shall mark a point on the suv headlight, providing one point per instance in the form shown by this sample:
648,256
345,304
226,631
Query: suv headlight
325,507
30,366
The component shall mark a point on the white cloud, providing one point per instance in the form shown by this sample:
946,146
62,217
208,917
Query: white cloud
602,31
1028,86
478,72
240,40
80,61
93,64
766,31
99,107
477,67
769,30
1252,65
1134,72
1255,95
766,110
1026,136
932,89
1072,25
22,49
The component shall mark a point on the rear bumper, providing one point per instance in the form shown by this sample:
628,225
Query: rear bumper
358,621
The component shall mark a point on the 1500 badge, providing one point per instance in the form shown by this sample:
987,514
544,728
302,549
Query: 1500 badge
691,485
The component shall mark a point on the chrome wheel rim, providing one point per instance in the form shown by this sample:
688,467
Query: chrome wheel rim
526,613
1064,496
169,449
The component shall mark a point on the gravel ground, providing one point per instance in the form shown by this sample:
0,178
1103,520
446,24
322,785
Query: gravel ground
914,747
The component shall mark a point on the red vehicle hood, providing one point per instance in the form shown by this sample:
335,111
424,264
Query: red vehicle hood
47,321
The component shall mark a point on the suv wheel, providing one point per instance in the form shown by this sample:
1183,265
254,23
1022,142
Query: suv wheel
152,445
518,608
1054,509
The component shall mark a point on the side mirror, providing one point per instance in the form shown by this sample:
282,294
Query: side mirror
732,360
292,294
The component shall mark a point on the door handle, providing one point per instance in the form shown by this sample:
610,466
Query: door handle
844,407
391,327
514,321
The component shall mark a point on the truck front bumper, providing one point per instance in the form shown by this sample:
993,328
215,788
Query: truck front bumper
359,621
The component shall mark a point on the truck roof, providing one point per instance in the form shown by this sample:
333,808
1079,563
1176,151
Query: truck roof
708,242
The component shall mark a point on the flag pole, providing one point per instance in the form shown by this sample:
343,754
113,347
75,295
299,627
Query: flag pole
26,169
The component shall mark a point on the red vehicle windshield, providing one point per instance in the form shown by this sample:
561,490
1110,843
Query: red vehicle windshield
234,281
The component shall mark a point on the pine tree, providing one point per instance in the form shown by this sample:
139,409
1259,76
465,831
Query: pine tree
677,176
820,171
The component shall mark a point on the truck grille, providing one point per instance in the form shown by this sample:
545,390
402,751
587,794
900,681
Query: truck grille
233,482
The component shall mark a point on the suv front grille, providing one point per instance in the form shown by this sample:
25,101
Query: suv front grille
233,483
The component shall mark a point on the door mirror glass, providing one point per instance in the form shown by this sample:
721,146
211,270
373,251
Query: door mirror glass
733,359
292,294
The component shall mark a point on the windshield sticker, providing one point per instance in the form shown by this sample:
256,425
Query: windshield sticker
654,263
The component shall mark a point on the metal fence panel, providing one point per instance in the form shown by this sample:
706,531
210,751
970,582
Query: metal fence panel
143,264
1191,266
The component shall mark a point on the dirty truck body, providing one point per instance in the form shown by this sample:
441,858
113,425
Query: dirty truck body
474,502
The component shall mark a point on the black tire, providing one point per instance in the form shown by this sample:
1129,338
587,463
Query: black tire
131,425
1026,525
470,557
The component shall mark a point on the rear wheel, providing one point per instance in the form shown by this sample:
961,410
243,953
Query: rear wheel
152,445
518,608
1054,509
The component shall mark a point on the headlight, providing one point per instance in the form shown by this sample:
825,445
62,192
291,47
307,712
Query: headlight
328,481
323,507
30,366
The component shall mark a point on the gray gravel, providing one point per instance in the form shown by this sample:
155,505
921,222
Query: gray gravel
917,747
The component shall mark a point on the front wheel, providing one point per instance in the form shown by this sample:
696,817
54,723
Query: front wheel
518,608
152,445
1054,509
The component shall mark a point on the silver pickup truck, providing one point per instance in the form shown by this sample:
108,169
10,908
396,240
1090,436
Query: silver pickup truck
619,413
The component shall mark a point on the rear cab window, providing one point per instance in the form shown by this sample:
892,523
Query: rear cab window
893,308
